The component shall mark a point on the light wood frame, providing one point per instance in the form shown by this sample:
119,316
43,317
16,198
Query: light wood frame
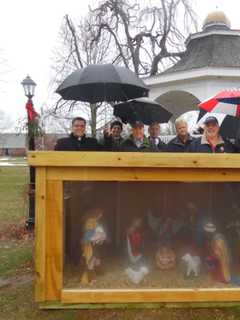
53,168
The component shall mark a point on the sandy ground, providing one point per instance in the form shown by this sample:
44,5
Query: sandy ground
112,275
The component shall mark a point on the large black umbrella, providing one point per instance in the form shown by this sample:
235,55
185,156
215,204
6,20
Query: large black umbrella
102,82
141,109
229,126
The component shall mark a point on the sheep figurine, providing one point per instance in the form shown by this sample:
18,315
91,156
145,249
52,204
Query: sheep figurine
192,263
136,276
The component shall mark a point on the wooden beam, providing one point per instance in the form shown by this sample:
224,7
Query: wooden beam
129,306
54,240
143,174
40,232
149,295
133,159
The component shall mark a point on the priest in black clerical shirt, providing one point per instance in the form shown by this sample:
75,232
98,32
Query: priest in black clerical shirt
77,141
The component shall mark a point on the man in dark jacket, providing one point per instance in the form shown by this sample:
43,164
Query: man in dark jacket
155,142
137,142
77,141
183,139
211,141
112,138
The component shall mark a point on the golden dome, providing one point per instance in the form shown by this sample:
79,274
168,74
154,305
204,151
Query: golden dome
216,18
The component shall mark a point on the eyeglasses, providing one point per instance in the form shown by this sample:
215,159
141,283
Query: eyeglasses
79,125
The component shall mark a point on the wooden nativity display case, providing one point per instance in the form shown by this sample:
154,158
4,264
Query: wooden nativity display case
133,172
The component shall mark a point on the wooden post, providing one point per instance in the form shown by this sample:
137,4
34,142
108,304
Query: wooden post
40,230
54,240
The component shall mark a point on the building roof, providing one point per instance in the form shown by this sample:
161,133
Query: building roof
216,46
216,18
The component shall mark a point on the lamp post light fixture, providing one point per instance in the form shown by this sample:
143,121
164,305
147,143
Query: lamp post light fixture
29,89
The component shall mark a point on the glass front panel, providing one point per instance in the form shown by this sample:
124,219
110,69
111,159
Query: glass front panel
151,235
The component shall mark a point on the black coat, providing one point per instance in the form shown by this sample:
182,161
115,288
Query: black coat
72,143
129,146
199,145
160,147
110,144
176,144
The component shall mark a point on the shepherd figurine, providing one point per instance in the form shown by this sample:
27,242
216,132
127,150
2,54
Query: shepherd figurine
93,236
135,242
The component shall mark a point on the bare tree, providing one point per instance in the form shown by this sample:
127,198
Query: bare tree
76,51
143,39
147,38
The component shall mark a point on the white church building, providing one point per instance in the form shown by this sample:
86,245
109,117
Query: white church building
210,63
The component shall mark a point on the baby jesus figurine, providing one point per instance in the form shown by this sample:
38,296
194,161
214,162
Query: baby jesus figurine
93,236
165,258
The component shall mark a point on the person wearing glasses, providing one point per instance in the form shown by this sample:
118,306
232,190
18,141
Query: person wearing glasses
77,140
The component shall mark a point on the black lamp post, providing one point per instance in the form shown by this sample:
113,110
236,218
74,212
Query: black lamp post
29,88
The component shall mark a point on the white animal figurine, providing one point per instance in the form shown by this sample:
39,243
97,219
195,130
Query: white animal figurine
137,276
193,264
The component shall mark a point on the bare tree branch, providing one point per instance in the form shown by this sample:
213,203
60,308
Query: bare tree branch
143,38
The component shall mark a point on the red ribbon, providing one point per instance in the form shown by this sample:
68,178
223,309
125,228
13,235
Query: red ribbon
32,114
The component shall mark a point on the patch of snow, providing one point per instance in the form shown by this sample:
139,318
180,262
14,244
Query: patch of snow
9,164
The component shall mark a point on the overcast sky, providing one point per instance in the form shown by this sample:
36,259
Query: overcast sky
29,32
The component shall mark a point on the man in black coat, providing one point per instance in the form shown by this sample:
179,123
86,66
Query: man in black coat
137,141
211,141
156,144
183,139
77,141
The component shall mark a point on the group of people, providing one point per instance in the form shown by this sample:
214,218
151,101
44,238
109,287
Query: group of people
210,141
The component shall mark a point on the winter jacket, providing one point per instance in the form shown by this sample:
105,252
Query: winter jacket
202,145
110,144
129,145
73,143
159,147
177,145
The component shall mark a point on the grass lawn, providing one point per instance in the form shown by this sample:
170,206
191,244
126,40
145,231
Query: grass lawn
16,269
13,195
15,256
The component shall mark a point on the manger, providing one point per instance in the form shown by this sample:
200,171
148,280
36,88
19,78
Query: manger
115,228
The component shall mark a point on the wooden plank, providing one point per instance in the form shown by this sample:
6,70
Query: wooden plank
133,159
54,240
40,233
149,295
143,174
129,306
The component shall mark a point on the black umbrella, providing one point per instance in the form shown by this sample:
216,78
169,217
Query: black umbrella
230,126
102,82
141,109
